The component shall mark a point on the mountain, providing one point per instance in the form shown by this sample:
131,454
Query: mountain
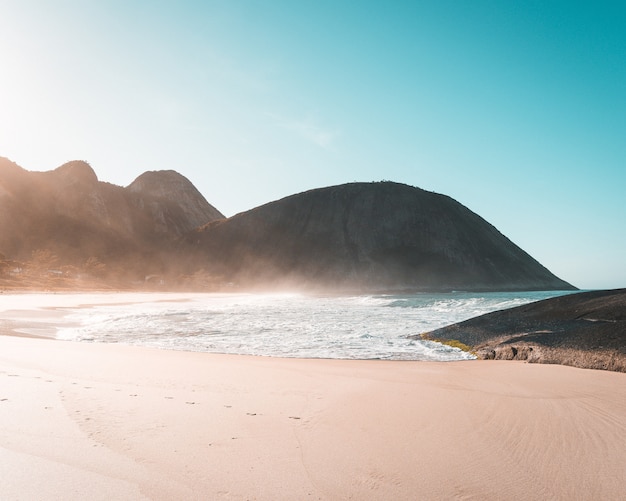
586,330
358,237
367,236
171,202
70,215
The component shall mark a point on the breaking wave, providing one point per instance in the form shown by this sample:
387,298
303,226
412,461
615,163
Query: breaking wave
286,325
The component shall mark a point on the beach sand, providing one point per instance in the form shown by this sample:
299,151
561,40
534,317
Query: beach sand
88,421
105,421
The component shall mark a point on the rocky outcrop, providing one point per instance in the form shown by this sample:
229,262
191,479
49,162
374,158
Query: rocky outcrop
373,236
585,330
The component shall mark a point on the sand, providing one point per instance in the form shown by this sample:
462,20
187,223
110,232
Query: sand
88,421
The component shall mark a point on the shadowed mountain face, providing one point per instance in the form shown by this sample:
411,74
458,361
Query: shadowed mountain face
374,236
71,214
584,330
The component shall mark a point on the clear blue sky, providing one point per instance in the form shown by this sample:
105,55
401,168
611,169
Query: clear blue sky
517,109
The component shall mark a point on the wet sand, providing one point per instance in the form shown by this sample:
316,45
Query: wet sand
88,421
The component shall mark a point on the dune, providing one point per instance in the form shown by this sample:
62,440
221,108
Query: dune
105,421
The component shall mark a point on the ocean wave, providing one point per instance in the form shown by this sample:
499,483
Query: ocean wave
290,325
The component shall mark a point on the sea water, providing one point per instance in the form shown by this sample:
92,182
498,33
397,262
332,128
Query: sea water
281,325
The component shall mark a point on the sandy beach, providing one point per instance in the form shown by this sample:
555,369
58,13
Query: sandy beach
96,421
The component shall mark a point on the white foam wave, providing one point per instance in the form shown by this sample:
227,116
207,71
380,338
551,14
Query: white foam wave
289,325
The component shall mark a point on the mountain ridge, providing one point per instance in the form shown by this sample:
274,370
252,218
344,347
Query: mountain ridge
73,216
357,236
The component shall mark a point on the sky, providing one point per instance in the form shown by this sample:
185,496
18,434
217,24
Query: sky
515,109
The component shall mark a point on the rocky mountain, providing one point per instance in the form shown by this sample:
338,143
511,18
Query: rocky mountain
71,215
171,202
367,236
586,329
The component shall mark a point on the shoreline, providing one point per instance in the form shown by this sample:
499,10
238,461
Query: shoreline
43,318
45,315
18,320
107,421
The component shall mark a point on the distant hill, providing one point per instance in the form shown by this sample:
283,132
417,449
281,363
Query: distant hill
586,329
66,217
367,236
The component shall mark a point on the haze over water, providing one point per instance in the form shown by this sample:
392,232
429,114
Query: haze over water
280,325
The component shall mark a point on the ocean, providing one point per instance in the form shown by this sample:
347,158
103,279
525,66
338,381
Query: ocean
276,325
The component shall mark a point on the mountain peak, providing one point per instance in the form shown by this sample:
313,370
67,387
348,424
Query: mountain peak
160,183
166,192
78,171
